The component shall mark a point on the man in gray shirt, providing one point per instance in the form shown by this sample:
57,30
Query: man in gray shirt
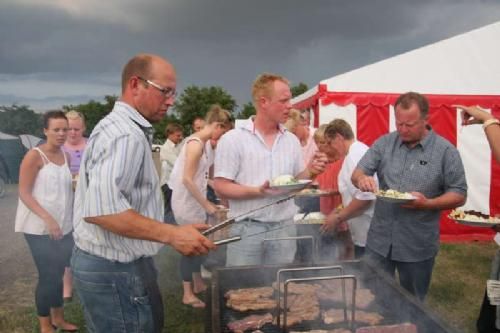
417,160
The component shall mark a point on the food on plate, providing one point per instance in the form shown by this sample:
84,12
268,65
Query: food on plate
394,194
250,322
284,180
472,215
336,316
398,328
310,218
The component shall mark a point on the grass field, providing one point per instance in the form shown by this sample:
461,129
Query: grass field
456,292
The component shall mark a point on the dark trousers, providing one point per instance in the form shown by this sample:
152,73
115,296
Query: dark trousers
413,276
190,265
487,316
50,256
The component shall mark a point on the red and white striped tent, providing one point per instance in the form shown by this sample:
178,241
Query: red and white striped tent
464,69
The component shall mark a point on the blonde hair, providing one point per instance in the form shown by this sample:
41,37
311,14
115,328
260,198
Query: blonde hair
263,84
319,134
217,114
73,114
294,120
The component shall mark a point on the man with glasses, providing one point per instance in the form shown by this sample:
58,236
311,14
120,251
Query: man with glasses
412,159
118,208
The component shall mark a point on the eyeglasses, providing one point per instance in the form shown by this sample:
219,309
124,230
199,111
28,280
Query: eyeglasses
167,92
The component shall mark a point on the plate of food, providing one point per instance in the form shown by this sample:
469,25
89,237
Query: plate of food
394,196
314,192
288,183
310,218
474,218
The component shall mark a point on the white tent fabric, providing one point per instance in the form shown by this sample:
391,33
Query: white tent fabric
5,136
29,141
467,64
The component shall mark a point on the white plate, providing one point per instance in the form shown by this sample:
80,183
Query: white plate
394,200
314,193
483,224
301,183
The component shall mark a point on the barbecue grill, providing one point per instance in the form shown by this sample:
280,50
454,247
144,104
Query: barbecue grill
395,304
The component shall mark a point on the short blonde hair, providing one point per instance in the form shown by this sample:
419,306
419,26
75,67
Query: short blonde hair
263,84
319,133
294,120
217,114
73,114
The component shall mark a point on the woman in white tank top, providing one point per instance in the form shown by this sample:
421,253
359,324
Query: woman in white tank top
188,182
44,215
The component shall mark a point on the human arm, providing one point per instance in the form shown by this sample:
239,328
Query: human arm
186,239
316,166
194,152
362,181
355,208
474,115
28,172
228,189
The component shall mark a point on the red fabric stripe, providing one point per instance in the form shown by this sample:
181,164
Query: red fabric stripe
443,120
495,176
372,122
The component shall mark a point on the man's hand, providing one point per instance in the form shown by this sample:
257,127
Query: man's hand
367,184
331,222
421,202
188,240
266,190
318,163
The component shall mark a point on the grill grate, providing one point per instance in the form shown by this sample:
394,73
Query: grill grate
391,301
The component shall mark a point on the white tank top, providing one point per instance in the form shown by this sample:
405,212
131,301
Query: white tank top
53,191
185,207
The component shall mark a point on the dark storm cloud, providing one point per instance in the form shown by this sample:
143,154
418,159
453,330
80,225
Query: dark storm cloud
223,42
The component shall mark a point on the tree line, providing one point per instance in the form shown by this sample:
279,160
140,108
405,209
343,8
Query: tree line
193,102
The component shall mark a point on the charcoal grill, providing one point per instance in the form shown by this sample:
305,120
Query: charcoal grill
391,301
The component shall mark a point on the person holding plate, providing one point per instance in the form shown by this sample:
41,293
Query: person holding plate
415,159
248,157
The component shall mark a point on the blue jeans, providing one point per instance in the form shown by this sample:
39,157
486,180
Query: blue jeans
413,276
117,297
248,251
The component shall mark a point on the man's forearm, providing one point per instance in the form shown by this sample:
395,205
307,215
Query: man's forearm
229,190
448,200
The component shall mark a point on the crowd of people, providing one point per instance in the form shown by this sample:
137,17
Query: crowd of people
121,212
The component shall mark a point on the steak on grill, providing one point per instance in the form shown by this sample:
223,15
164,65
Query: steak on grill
249,293
252,305
400,328
250,322
336,316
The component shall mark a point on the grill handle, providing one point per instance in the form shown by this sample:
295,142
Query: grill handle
307,269
338,277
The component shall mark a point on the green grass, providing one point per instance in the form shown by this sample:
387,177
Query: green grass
456,292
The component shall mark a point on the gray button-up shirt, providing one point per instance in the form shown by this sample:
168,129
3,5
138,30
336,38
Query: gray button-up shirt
433,167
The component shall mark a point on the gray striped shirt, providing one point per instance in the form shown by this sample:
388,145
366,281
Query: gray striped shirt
117,173
433,167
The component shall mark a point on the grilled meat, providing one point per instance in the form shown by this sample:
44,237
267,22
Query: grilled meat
249,305
399,328
250,322
249,293
335,316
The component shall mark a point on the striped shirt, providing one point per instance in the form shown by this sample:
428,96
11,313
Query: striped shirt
117,174
243,157
433,167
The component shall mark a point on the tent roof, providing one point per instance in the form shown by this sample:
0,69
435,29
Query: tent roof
5,136
466,64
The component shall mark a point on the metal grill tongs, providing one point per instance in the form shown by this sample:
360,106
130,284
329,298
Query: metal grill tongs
232,220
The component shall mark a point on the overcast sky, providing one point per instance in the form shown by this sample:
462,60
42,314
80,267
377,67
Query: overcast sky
56,52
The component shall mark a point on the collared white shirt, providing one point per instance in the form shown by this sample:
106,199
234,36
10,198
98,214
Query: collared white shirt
117,173
168,154
358,225
243,157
